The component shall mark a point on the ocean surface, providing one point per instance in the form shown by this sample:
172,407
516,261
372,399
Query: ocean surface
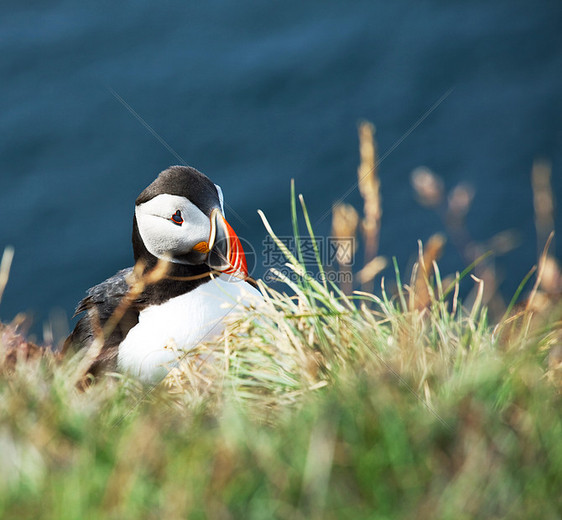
96,98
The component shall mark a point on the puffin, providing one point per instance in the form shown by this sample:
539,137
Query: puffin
180,233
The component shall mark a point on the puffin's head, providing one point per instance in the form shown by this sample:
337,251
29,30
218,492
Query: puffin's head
180,218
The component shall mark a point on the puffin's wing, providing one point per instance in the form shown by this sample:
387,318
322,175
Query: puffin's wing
106,295
99,305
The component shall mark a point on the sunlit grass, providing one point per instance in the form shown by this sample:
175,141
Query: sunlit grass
403,402
316,405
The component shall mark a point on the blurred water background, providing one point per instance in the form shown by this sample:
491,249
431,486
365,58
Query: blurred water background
97,97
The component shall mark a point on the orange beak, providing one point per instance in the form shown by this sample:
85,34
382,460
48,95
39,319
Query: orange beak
236,256
225,250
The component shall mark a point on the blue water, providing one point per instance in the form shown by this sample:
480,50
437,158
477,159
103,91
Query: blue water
254,94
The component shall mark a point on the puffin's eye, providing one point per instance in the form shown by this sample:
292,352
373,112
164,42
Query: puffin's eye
177,218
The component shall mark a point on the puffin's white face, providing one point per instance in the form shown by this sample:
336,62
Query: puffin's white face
172,226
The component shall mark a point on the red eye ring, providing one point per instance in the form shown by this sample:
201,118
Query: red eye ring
176,218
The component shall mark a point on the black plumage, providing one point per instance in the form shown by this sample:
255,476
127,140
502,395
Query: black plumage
99,305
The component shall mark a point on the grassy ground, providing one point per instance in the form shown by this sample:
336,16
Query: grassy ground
410,404
318,406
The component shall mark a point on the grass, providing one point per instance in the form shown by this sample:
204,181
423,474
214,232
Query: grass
407,403
319,406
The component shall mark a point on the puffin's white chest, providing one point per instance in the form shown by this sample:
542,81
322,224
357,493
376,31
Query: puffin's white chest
180,324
